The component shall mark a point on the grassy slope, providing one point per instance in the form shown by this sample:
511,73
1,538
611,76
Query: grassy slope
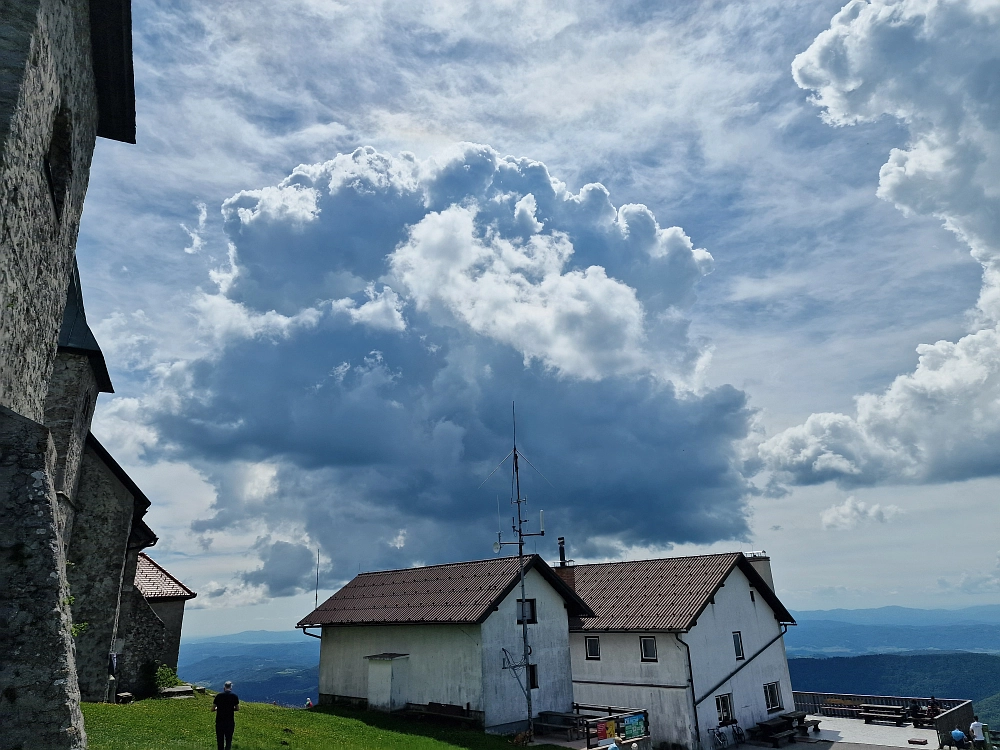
189,723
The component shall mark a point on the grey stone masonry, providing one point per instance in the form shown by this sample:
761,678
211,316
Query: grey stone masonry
39,694
48,125
147,645
69,408
97,554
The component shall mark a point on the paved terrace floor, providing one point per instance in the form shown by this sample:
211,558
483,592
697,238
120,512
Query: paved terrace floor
855,731
849,734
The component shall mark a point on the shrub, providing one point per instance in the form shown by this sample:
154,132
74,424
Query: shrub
166,677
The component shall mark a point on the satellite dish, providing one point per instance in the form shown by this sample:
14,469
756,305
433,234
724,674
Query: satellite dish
496,547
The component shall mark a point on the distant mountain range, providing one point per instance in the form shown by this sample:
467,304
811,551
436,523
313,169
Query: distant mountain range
265,666
282,666
988,614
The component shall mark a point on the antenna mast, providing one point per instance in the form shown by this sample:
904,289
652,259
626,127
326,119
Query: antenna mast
518,529
317,579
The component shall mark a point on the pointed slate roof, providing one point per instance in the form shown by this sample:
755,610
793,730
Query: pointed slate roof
464,592
76,337
156,584
665,594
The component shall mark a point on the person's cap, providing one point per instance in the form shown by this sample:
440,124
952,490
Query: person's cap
228,685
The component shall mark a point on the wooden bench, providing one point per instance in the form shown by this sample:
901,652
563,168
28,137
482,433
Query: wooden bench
804,726
776,738
555,728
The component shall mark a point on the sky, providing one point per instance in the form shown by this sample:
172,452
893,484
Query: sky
736,265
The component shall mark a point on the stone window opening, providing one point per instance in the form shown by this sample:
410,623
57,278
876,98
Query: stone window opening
58,162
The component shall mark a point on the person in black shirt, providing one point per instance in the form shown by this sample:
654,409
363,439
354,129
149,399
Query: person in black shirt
225,706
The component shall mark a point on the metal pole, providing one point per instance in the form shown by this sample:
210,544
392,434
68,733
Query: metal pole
520,563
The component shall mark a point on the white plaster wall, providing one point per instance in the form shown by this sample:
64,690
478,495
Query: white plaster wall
713,655
621,678
549,641
444,664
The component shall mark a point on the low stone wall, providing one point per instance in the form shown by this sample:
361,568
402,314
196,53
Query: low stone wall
39,695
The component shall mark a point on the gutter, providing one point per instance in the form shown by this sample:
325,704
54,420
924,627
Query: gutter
727,678
697,727
306,632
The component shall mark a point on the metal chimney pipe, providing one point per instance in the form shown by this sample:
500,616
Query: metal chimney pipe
562,552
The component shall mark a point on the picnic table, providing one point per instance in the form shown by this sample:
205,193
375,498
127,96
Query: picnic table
775,730
561,721
871,712
799,722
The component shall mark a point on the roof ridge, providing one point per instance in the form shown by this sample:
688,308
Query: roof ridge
658,559
443,565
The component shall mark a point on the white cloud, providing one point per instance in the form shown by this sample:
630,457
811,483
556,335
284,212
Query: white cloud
578,322
195,234
933,66
851,513
383,310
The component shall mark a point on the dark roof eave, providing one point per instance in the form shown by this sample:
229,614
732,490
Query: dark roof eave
177,598
114,75
97,364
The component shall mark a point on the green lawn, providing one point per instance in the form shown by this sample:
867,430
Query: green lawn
174,724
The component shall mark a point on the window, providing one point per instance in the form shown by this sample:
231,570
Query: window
593,646
724,705
752,598
772,696
647,647
533,676
526,610
738,644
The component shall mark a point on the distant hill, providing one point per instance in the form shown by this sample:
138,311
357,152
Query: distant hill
988,613
957,675
264,666
831,638
254,636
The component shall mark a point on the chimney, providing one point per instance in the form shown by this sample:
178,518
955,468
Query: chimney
762,564
565,571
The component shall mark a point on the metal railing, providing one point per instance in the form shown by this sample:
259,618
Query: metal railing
848,705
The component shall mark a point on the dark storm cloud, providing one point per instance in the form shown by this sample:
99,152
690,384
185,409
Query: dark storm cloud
381,412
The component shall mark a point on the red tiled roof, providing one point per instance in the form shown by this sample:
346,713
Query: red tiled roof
665,594
155,583
463,592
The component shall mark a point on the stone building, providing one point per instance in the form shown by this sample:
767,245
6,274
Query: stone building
65,79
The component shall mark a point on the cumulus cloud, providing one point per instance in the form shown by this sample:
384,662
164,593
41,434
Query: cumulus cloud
351,378
934,67
851,513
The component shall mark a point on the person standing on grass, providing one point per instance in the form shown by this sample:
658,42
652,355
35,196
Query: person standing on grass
225,706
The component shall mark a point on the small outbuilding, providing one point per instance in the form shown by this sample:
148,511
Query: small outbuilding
442,638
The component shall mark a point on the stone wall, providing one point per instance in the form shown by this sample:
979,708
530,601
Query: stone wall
171,613
48,121
97,554
147,642
39,696
69,409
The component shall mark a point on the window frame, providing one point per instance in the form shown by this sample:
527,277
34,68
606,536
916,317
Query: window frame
533,616
643,640
532,677
587,640
738,645
777,694
723,705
